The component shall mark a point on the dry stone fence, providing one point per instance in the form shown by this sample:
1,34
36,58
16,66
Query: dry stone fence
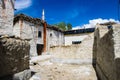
14,56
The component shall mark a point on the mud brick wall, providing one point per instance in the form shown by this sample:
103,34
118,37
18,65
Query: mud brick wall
107,52
14,55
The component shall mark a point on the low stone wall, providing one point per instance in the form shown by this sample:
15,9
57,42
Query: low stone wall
82,51
106,52
14,55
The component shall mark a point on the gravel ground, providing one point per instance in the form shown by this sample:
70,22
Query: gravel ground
53,71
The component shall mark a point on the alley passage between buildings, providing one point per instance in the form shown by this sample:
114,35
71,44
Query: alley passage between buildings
65,63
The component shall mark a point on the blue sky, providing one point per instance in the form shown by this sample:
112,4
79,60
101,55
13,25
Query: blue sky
76,12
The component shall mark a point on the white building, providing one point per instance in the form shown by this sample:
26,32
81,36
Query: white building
55,37
76,36
32,28
26,27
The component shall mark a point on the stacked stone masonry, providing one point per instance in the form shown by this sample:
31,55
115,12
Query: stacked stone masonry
6,17
106,52
14,55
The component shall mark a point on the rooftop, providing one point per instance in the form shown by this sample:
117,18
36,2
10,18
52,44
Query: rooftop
27,18
79,31
34,21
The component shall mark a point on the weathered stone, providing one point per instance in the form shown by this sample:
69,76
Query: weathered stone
6,18
106,52
23,75
14,56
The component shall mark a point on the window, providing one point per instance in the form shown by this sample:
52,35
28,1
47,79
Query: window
50,34
76,42
39,34
109,27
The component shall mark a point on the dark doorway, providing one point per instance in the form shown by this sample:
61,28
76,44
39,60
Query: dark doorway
39,48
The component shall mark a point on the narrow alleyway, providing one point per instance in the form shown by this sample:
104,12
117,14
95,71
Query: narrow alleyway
66,63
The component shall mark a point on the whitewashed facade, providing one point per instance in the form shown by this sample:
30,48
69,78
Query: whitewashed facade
76,36
32,28
55,37
26,28
69,39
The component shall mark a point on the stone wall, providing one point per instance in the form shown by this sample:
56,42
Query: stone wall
54,38
6,17
106,52
116,29
81,51
14,55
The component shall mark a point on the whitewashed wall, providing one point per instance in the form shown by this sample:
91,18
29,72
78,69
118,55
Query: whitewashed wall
57,38
61,38
29,31
40,39
26,31
75,37
16,29
6,18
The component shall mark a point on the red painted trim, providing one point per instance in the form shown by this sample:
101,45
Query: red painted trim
44,35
